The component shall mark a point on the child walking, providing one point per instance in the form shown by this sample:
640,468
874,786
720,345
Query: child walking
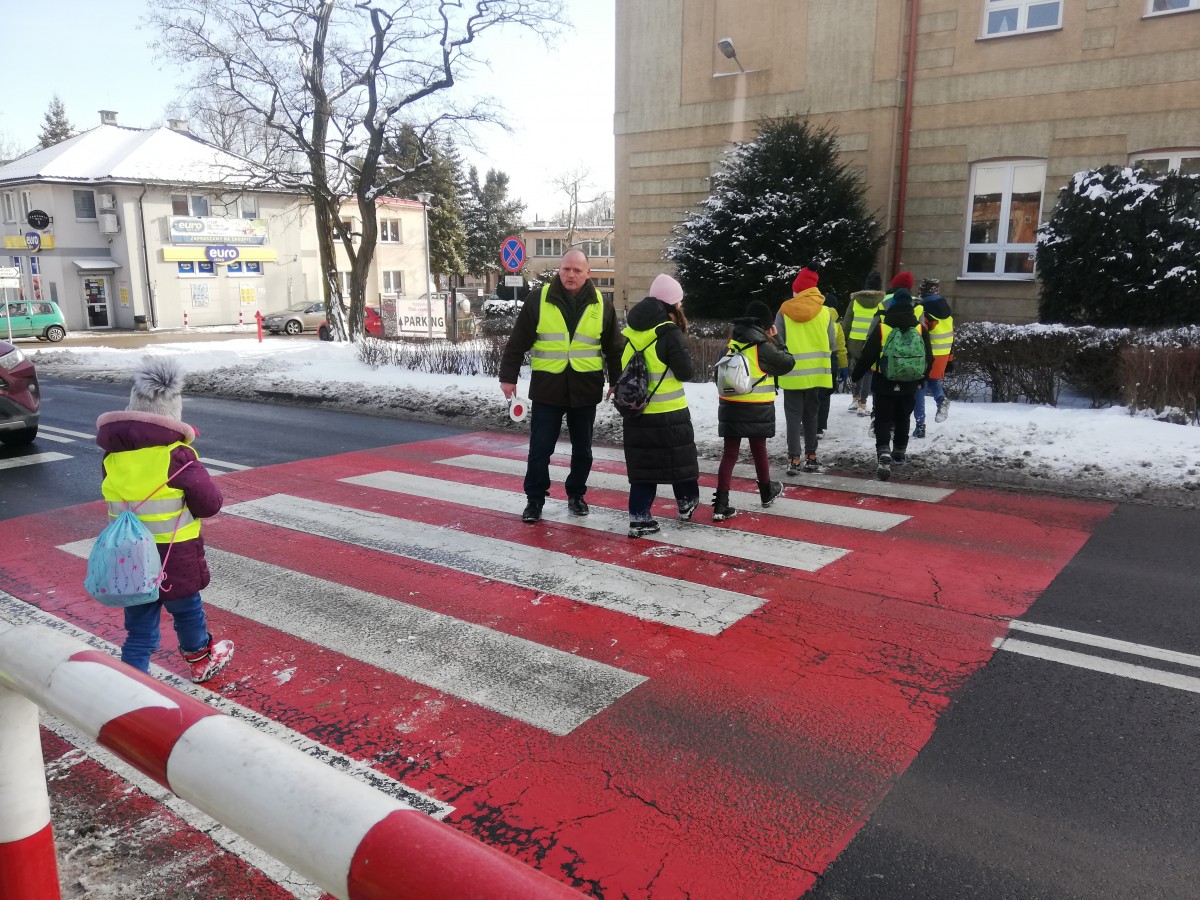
148,454
752,415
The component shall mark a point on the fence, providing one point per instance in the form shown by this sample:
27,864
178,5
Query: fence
345,837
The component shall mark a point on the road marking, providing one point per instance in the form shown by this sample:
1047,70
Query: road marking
44,435
655,598
1099,664
547,688
825,513
1095,640
83,435
744,545
32,459
204,460
873,487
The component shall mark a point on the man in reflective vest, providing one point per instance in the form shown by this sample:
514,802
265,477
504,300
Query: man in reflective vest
570,333
940,325
808,335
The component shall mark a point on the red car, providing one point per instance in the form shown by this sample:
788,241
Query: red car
372,325
20,396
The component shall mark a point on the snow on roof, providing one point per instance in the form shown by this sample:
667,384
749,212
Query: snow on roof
110,153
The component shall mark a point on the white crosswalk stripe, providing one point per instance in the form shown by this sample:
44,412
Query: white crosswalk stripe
45,435
32,459
221,464
66,432
655,598
824,513
544,687
800,555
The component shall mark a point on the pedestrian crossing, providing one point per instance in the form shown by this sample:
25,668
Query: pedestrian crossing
55,435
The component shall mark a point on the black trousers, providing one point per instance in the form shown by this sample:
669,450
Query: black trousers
545,425
893,414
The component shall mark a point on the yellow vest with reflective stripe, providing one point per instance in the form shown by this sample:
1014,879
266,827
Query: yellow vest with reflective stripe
808,342
129,478
941,335
553,348
668,393
764,387
861,323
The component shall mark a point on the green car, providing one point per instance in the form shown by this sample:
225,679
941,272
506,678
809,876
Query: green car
41,319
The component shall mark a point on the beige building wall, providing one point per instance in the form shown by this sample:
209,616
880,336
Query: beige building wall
399,252
1112,82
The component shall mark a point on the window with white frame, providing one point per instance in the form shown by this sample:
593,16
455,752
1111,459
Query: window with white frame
189,205
248,206
1003,217
389,231
344,282
26,204
594,249
85,204
547,247
10,207
1185,162
393,282
1154,7
1005,17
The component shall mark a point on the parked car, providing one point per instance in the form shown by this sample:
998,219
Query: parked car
295,319
41,319
372,324
20,396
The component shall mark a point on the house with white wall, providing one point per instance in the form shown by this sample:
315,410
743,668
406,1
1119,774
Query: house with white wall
398,267
122,226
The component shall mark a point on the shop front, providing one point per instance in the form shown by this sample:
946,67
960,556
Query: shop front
96,288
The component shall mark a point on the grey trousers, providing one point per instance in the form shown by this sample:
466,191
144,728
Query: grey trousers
800,409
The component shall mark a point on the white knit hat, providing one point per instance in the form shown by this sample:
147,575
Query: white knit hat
158,388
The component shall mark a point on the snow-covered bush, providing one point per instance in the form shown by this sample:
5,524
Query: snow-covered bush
501,306
1122,248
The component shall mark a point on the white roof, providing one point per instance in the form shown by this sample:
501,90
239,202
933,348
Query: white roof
113,153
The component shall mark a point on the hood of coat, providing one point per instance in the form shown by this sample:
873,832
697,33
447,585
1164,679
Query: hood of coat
935,306
746,330
804,306
646,314
900,317
869,299
119,431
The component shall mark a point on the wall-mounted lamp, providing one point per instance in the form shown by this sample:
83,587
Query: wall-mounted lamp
725,45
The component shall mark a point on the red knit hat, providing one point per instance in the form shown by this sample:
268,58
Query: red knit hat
805,279
903,280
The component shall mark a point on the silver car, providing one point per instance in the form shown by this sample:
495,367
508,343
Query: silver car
295,319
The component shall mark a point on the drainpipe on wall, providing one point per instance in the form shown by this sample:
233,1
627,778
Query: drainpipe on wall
906,135
146,262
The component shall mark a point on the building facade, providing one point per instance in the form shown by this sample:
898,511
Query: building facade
398,268
546,242
963,118
124,227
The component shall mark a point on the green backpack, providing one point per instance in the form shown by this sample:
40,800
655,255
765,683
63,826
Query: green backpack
903,357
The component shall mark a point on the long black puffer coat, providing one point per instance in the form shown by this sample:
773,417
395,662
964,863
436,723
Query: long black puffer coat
747,420
660,448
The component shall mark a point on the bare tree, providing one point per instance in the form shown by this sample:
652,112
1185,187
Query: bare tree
335,79
571,185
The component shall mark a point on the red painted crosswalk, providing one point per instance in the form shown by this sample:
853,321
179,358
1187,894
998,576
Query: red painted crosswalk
635,718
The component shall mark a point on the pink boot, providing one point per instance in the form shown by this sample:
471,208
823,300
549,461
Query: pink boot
208,661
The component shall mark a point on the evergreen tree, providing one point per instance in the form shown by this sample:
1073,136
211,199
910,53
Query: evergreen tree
442,176
779,202
56,128
492,216
1121,249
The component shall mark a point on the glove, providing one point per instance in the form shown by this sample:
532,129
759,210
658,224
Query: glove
949,367
844,377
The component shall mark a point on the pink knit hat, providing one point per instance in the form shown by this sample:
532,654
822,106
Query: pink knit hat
666,289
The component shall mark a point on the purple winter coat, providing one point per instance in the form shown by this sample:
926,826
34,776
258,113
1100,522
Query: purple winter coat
186,568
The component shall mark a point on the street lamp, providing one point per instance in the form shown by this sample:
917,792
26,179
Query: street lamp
425,197
725,45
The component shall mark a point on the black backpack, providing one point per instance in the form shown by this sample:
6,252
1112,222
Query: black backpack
633,391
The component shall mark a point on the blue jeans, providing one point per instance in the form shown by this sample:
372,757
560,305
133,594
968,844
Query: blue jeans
642,494
545,425
934,387
141,625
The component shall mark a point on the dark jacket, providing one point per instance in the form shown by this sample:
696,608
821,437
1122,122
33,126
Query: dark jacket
901,317
745,420
186,568
566,388
660,448
936,306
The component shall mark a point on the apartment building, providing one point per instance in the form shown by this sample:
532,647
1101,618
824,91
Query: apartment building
546,242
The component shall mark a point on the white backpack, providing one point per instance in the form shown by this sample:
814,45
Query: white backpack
732,373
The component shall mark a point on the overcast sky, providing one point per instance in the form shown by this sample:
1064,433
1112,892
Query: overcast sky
94,56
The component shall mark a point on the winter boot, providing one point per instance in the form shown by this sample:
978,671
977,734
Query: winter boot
883,466
533,511
721,508
810,463
943,411
862,407
795,465
768,491
687,507
853,404
643,527
577,506
919,431
899,456
208,661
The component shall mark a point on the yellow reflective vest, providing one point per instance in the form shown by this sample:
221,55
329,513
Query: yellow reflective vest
553,349
941,335
808,342
764,384
668,390
861,323
131,476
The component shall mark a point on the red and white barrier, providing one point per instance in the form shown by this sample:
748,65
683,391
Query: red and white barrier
349,839
185,317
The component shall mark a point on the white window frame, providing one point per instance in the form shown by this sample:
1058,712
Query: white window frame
1190,6
10,207
392,282
594,248
552,247
26,204
1174,158
1002,247
344,281
390,231
248,207
75,196
1021,8
198,205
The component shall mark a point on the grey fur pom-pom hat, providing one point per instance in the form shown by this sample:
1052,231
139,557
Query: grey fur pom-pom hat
158,388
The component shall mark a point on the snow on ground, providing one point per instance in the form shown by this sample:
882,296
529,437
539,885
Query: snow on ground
1104,453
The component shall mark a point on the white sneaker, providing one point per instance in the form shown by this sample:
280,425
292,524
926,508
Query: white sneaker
208,662
943,411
